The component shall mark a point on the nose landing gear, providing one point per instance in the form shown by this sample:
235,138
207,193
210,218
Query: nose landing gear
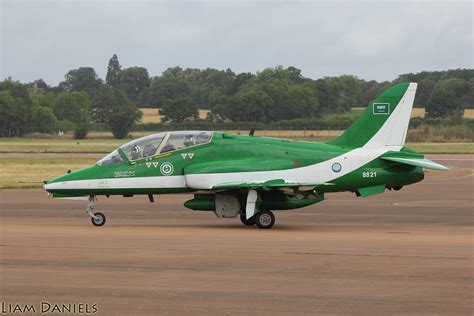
97,218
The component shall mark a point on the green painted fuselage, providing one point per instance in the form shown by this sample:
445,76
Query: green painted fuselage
232,153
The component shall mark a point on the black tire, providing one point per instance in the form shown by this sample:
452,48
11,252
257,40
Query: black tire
247,222
265,219
100,221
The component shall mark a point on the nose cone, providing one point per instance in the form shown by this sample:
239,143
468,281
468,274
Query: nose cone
57,183
66,182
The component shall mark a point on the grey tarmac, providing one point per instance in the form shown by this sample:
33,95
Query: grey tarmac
406,252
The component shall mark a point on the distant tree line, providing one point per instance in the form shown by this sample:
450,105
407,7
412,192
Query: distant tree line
273,95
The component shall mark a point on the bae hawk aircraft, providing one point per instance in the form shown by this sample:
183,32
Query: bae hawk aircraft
243,175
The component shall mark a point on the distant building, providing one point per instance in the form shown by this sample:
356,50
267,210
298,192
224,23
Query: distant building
37,85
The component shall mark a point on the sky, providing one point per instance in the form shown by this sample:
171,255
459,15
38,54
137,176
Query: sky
370,39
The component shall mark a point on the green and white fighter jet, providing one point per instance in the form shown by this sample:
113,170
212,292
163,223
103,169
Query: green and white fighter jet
236,175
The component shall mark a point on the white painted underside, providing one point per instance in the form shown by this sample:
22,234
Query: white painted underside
121,183
390,137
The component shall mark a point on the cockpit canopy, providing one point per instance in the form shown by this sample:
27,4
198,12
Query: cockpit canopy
157,144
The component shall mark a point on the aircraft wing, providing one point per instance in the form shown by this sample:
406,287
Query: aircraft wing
268,185
417,162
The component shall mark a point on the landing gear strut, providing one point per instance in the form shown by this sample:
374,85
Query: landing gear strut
97,218
247,222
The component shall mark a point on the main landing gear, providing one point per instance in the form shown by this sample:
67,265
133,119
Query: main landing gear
247,222
264,219
97,218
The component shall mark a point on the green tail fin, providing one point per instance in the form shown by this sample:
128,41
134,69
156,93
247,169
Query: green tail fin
384,122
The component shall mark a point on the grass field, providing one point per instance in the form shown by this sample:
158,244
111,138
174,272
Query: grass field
152,115
106,145
415,112
469,113
30,172
26,162
443,148
58,145
103,142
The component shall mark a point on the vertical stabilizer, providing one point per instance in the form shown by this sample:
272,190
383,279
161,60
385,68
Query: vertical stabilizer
384,122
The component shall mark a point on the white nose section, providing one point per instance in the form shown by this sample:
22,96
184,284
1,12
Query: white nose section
55,186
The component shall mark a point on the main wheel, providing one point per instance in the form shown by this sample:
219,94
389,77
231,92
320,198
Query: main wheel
245,221
99,219
265,219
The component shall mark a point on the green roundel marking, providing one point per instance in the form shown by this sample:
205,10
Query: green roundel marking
166,168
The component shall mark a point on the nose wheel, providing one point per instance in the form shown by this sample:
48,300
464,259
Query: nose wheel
97,218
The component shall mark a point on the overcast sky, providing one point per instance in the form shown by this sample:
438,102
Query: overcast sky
371,39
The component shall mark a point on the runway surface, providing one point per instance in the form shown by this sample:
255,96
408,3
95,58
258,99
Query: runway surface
405,252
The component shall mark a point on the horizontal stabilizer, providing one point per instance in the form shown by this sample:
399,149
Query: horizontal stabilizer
417,162
267,185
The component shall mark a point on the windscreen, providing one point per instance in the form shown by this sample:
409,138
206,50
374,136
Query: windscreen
112,158
143,147
185,139
156,144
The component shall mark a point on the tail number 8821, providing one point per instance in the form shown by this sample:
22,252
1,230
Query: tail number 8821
369,174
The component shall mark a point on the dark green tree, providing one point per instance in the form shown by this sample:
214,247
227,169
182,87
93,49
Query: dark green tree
70,105
250,104
134,81
302,102
44,120
423,91
294,74
273,94
82,79
16,108
43,98
371,90
113,71
17,90
240,80
164,88
82,126
179,110
111,106
446,98
338,94
106,101
14,115
74,107
122,120
468,98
